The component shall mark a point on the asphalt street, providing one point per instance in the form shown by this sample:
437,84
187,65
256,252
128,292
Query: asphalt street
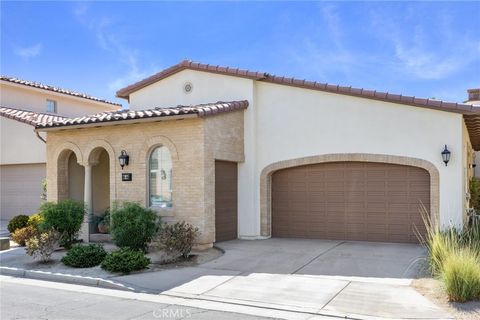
21,300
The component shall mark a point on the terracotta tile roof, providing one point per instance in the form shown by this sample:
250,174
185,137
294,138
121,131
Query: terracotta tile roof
55,89
313,85
29,117
201,110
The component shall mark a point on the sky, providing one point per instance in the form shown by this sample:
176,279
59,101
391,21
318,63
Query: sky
425,49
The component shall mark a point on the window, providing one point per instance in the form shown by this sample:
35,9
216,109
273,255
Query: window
51,106
160,178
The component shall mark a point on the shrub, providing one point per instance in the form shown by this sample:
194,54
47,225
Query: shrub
133,226
84,256
21,235
177,239
66,217
35,221
43,245
461,275
475,193
125,260
17,222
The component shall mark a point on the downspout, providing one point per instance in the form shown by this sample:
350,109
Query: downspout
39,136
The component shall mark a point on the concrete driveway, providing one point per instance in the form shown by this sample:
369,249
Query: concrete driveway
361,280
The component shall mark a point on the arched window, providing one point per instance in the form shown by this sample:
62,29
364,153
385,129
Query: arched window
160,178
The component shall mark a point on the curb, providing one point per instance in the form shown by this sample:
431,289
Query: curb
65,278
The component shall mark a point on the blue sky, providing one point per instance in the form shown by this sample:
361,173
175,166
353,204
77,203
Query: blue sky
427,49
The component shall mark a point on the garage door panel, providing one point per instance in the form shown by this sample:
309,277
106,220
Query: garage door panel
350,200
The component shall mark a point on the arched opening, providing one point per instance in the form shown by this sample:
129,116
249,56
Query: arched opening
76,179
160,178
70,176
100,161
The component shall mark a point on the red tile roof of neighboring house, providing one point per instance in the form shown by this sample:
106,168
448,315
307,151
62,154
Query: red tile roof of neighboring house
313,85
29,117
201,110
55,89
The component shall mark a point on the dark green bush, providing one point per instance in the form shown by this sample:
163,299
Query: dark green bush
17,222
84,256
177,239
65,217
125,260
475,194
133,226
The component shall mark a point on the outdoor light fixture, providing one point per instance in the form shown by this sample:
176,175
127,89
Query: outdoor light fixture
123,158
446,155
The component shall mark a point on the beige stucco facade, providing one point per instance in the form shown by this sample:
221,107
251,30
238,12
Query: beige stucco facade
22,153
194,145
284,126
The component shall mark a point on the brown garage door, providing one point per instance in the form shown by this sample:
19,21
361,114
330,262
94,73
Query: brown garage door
225,200
350,201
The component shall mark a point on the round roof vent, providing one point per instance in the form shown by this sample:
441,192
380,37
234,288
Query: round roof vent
188,87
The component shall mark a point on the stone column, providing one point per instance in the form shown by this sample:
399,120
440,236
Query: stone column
87,196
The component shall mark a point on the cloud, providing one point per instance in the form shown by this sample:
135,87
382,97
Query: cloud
29,52
109,40
424,49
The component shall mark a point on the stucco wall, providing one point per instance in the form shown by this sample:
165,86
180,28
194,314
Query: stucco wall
207,87
32,99
285,123
297,123
19,144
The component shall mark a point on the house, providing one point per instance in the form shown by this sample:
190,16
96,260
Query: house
474,99
250,155
23,152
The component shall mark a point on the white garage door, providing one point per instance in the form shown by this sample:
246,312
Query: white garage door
21,189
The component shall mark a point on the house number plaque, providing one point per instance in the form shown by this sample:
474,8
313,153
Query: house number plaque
126,177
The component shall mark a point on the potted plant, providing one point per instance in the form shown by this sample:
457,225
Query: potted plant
104,222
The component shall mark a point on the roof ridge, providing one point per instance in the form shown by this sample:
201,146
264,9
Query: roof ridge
306,84
39,85
201,110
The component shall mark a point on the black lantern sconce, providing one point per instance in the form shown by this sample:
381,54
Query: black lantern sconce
123,158
446,155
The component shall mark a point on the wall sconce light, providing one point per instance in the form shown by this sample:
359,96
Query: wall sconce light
446,155
123,158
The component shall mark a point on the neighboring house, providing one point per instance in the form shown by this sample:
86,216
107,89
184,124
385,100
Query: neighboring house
275,156
22,156
474,99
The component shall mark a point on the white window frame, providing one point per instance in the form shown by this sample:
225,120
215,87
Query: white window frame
55,110
165,210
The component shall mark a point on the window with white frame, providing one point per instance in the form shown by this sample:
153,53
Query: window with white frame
160,178
51,106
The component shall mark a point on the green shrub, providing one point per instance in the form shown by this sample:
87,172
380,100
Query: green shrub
125,260
35,221
461,275
41,246
84,256
17,222
65,217
21,235
133,226
475,193
177,239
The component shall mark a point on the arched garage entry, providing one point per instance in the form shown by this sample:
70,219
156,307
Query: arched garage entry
351,199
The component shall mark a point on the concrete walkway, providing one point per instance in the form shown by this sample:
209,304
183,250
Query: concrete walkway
325,278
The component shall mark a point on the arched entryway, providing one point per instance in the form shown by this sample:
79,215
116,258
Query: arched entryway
70,176
99,160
